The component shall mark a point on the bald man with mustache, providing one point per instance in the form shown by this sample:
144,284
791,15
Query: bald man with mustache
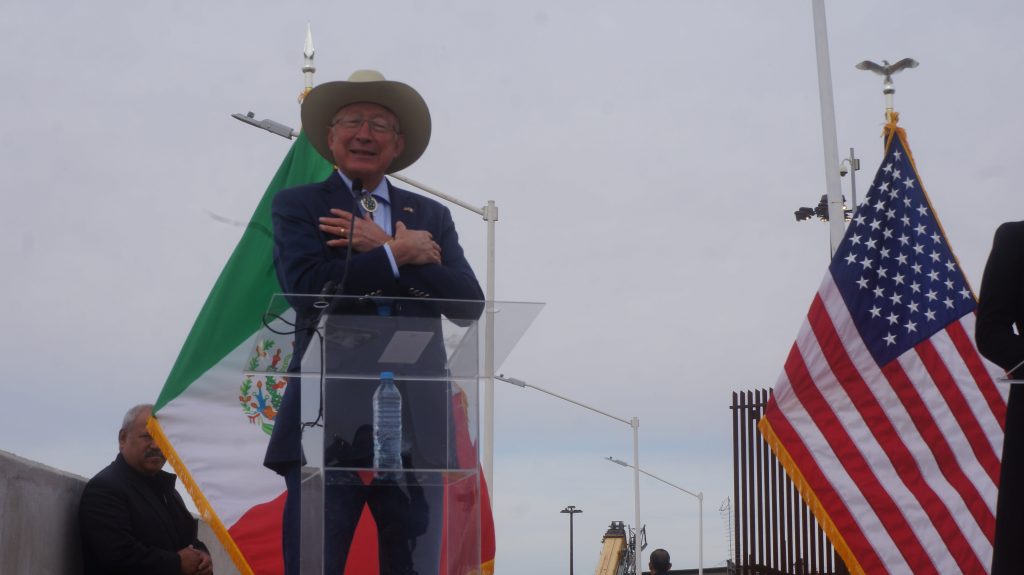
132,520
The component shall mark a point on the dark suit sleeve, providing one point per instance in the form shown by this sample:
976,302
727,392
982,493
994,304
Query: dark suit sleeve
105,522
453,278
1001,301
305,262
303,259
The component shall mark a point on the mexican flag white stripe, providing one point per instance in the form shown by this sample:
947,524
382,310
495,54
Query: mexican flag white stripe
227,466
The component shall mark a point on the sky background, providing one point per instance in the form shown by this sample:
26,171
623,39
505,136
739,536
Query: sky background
646,158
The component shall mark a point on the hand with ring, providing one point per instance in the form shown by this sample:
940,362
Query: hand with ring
365,235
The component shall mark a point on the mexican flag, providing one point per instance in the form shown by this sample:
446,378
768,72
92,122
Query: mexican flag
213,422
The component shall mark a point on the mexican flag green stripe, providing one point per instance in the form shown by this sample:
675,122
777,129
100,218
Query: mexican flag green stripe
211,420
233,311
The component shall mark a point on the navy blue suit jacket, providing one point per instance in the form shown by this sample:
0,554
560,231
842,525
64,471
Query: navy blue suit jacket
305,263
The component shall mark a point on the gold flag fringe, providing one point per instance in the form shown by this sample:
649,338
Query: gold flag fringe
202,504
809,497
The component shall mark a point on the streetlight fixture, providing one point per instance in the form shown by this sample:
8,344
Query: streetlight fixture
634,423
571,510
700,510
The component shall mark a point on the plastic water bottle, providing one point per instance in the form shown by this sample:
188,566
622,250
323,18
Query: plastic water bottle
387,427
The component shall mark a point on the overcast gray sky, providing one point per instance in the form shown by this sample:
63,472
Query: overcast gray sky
646,157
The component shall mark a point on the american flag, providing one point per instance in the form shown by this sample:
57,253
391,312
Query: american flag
885,416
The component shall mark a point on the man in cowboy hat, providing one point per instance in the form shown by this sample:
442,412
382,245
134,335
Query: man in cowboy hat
356,234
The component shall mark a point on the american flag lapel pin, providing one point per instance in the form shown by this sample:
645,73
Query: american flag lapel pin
408,209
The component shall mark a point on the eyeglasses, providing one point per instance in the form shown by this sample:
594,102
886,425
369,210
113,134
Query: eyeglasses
377,125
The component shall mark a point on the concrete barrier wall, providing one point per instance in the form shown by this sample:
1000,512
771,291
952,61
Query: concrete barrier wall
39,521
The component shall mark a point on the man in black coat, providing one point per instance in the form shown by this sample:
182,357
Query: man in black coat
132,520
1000,309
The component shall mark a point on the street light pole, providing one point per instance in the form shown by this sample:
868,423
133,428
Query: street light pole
633,423
571,510
490,215
828,127
700,508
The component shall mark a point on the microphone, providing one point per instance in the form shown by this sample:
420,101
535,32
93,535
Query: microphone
357,192
322,304
328,290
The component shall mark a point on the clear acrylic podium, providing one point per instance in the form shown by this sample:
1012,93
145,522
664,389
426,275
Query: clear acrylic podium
424,515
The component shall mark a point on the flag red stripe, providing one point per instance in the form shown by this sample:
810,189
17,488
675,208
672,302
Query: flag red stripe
258,536
889,439
961,495
969,353
958,481
851,459
935,440
821,487
959,408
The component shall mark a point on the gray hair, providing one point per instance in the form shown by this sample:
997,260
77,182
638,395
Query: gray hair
134,412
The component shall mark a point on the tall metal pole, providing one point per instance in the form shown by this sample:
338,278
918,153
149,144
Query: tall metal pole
571,510
700,536
836,221
854,166
637,551
491,216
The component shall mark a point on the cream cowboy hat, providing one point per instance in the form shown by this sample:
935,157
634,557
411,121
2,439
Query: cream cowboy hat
323,102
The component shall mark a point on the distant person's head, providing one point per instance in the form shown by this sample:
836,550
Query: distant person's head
137,447
367,126
659,562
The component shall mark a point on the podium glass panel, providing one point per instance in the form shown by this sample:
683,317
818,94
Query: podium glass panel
389,427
